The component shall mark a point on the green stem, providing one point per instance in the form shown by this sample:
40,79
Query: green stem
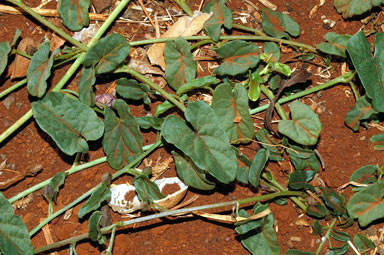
89,192
354,90
185,7
110,245
326,237
169,213
13,88
278,107
202,42
248,29
19,52
153,85
48,24
341,79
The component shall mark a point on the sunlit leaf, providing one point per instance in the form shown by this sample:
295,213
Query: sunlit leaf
198,83
222,16
207,145
232,110
363,243
365,175
101,194
305,126
370,69
336,44
190,173
254,85
5,49
74,13
131,89
70,123
317,210
378,139
87,80
278,24
257,166
122,140
300,180
14,237
238,56
273,50
362,110
94,228
351,8
107,54
334,200
367,205
146,189
181,67
147,122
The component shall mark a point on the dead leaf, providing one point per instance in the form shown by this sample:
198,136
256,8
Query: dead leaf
230,218
21,63
185,26
56,42
144,67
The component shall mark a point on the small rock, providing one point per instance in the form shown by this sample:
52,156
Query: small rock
18,105
8,101
3,156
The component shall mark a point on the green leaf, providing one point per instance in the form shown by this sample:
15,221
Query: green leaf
74,13
221,16
107,54
5,49
303,159
55,184
122,140
276,24
266,141
14,237
166,105
146,189
15,38
317,228
94,228
340,236
232,111
370,69
334,201
363,243
87,80
339,250
207,145
242,174
257,166
247,226
367,205
378,139
238,56
336,45
181,67
317,211
100,194
297,252
254,85
69,122
362,110
351,8
131,89
300,180
198,83
275,81
273,50
39,70
147,122
365,175
305,126
191,174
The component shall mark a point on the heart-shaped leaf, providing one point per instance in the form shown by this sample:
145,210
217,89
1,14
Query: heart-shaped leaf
181,67
257,166
131,89
238,56
304,159
232,110
300,180
222,16
69,122
367,205
190,173
351,8
207,145
14,237
94,228
5,48
276,24
370,69
362,110
100,194
336,45
107,54
147,190
334,201
305,126
39,70
74,13
122,140
198,83
86,93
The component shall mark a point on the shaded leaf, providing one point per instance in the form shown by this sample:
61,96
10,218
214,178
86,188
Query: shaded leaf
94,228
55,183
378,139
257,166
131,89
266,140
5,49
273,50
244,227
166,105
74,13
365,175
39,70
69,122
107,54
340,236
370,69
254,85
276,24
350,8
336,45
238,56
100,194
222,16
232,111
317,228
181,67
303,159
363,243
191,174
367,205
198,83
297,252
362,110
147,190
305,126
334,200
275,81
122,140
300,180
317,210
339,250
242,174
147,122
207,145
87,80
14,237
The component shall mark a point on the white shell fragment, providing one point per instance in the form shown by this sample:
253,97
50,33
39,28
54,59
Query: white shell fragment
119,203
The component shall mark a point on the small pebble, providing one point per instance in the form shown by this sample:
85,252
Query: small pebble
228,238
8,101
3,156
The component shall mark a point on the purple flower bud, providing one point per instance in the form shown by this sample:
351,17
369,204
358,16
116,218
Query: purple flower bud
104,100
